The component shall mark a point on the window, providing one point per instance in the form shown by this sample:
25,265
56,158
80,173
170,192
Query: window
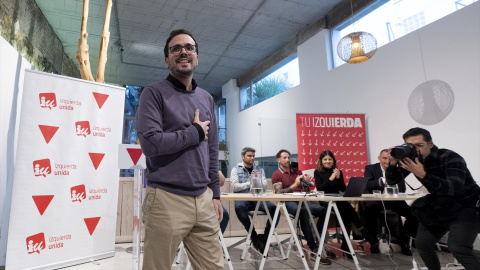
132,94
222,135
389,20
245,97
413,23
280,78
222,123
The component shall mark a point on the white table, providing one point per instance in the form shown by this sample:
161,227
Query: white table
333,205
280,200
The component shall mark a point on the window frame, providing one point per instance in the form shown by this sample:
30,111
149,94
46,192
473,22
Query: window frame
250,85
429,18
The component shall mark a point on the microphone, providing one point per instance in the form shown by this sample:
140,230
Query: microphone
306,182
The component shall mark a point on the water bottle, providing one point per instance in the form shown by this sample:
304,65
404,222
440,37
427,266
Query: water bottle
256,185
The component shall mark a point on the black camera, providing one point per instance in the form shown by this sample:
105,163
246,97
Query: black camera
403,151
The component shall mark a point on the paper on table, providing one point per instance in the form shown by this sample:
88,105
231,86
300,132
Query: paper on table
297,193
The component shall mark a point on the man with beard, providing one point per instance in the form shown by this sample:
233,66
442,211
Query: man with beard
182,201
240,178
452,203
287,180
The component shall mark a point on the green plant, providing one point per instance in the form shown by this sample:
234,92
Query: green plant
269,87
222,146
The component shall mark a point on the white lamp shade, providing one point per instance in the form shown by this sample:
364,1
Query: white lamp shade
357,47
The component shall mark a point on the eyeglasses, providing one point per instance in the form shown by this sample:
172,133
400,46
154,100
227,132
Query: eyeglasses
177,49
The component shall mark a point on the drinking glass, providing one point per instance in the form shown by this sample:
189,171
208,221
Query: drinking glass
256,185
391,190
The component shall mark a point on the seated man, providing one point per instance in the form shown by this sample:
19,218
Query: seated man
376,181
287,180
240,178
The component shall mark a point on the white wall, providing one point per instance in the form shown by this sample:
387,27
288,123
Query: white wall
12,69
380,88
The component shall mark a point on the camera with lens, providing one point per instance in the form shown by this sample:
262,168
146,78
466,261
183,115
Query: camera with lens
403,151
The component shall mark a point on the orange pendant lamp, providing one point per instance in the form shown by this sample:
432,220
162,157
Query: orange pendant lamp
356,47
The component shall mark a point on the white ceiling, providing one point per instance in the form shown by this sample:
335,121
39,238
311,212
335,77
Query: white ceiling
233,35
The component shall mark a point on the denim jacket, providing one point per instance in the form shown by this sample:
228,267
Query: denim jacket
240,178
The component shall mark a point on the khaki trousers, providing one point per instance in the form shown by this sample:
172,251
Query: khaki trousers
170,219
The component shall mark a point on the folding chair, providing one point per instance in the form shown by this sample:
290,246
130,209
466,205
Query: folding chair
253,215
296,221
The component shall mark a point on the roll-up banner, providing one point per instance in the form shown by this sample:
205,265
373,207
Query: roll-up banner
65,189
343,134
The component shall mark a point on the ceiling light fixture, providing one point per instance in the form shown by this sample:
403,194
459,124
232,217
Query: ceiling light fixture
356,47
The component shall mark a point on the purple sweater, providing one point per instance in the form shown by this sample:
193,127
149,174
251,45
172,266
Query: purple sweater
176,161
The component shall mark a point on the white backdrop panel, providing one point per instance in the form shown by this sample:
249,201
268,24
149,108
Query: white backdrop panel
65,189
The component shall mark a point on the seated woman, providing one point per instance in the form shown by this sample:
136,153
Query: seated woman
329,178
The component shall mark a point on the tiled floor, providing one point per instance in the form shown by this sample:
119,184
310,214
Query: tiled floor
123,260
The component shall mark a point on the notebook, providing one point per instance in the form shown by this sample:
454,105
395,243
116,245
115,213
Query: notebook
355,188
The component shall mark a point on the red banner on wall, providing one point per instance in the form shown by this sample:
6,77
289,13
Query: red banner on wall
343,134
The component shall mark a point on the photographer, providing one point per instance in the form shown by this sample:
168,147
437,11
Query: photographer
451,204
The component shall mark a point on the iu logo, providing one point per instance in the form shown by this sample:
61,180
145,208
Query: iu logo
35,243
78,193
82,128
48,100
42,167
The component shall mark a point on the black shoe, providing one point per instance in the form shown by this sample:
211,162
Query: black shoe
405,250
404,245
372,239
331,255
357,237
323,260
258,243
375,249
263,239
348,255
344,247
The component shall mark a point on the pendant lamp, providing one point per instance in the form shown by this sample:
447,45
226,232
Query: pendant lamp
356,47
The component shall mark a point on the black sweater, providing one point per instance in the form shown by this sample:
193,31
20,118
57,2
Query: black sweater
323,182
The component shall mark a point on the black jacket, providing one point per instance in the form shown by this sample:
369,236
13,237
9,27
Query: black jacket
374,172
447,175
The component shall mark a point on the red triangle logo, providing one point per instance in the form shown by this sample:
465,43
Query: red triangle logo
48,132
96,158
135,154
42,202
91,223
136,223
100,98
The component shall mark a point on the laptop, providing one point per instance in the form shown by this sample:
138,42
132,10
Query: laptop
355,188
